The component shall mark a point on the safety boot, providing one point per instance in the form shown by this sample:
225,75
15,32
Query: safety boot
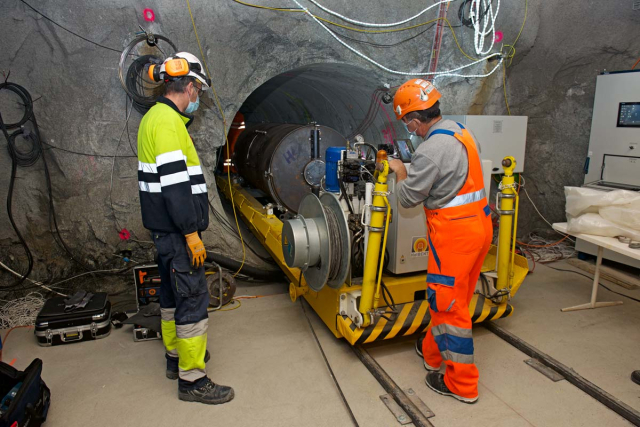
209,393
419,346
430,368
173,372
435,381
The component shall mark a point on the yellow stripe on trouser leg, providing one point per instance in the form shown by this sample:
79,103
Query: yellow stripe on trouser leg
168,325
192,345
169,337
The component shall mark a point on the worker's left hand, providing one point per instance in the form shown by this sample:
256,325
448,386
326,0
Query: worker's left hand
196,250
398,167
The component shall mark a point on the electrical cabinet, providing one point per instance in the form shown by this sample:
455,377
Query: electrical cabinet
498,136
407,238
613,160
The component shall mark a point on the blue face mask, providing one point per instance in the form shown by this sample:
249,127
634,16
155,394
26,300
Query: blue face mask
193,106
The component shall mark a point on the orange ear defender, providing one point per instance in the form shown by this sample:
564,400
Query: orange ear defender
154,73
176,67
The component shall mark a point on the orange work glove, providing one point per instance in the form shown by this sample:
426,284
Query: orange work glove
196,249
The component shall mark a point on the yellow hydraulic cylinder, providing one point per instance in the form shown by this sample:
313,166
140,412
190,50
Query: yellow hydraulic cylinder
376,298
507,208
376,228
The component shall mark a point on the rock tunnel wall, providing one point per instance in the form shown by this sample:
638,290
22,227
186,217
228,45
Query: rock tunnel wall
80,104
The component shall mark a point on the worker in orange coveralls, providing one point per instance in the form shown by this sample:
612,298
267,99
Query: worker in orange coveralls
445,175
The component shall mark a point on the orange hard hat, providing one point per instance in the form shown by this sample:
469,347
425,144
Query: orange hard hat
414,95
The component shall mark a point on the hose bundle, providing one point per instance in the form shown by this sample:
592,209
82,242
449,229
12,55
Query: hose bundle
27,129
143,91
20,158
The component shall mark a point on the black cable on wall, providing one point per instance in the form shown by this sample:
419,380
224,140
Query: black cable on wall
27,129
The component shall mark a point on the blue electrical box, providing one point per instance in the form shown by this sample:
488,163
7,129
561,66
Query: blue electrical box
332,157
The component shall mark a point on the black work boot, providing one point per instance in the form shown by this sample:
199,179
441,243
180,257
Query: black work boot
419,346
435,381
173,372
209,393
635,377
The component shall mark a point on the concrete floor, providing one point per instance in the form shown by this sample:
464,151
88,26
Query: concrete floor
266,351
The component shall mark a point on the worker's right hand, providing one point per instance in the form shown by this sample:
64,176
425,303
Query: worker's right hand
196,249
397,166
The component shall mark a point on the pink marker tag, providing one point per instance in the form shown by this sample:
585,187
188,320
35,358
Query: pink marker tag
498,37
149,15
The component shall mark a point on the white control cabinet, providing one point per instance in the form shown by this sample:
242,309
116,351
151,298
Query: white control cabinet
614,145
407,239
498,136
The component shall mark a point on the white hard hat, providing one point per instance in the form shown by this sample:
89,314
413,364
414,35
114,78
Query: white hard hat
195,68
181,64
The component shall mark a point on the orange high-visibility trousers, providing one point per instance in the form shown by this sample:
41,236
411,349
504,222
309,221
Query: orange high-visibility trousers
459,238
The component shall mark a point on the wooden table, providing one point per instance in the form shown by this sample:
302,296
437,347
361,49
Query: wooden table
602,243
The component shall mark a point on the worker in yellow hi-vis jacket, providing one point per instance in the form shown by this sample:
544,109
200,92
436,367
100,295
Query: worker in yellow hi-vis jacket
174,204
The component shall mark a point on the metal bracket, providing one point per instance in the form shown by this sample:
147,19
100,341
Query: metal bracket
349,307
544,370
500,196
94,329
379,208
399,413
49,336
364,209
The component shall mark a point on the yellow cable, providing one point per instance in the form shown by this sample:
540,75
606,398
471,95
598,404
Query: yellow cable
512,47
230,302
526,7
504,86
269,8
224,131
456,39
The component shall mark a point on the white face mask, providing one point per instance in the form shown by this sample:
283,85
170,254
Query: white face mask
406,126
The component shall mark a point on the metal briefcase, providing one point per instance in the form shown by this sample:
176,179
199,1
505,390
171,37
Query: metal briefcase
54,326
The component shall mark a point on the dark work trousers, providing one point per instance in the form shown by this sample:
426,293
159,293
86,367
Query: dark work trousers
184,299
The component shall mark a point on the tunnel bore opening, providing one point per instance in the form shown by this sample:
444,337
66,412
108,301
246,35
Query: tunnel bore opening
272,135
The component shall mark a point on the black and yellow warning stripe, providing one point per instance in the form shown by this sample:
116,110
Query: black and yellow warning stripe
483,309
414,317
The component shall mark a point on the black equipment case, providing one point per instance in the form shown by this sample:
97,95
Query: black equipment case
29,406
55,326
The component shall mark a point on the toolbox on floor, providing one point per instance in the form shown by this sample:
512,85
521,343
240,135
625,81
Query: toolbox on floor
147,281
141,333
24,397
57,323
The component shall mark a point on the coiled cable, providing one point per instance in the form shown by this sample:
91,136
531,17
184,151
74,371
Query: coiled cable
334,242
19,158
27,129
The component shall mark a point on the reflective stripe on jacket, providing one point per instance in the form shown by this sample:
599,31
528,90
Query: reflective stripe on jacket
173,191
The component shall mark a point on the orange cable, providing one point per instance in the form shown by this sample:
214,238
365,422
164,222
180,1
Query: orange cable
637,62
4,340
543,246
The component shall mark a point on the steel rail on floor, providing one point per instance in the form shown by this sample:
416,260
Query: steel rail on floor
417,417
570,375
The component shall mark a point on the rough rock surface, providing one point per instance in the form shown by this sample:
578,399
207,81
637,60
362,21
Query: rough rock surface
81,105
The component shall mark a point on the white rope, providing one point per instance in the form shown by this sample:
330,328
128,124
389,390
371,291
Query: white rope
20,311
370,24
447,73
480,35
32,281
542,216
